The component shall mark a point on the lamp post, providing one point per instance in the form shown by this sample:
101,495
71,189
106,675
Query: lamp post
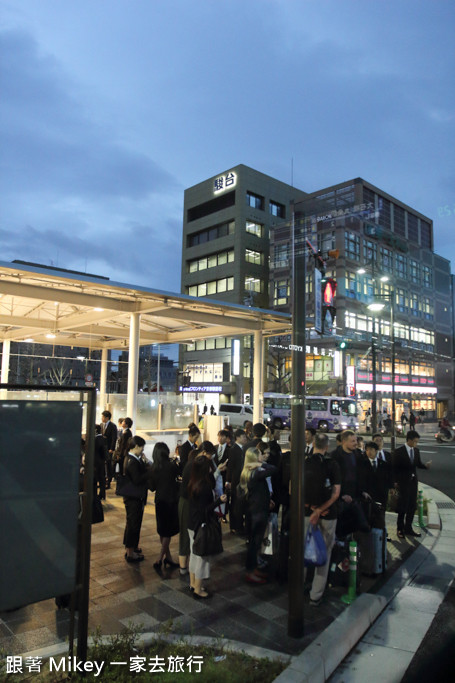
377,306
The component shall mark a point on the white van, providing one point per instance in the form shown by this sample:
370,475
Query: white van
236,412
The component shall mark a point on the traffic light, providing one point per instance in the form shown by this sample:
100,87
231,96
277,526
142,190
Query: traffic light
342,345
329,288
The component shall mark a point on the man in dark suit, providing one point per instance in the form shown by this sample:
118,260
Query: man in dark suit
405,461
259,431
384,459
233,472
109,432
310,433
189,445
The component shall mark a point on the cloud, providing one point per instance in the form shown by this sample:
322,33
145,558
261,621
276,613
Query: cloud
50,142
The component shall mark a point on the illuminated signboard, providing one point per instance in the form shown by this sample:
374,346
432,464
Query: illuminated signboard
224,182
200,388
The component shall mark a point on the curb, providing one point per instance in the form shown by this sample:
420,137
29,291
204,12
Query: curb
320,659
323,656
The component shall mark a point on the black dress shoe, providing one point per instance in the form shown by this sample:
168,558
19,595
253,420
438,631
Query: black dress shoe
411,532
170,563
134,558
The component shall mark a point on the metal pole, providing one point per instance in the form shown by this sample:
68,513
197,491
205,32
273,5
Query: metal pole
297,531
374,393
392,337
86,529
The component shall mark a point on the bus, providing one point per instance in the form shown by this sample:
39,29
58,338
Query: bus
326,413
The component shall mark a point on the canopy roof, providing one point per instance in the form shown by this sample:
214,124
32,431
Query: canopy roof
92,311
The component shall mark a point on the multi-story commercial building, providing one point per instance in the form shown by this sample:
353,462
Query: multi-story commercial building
239,238
385,254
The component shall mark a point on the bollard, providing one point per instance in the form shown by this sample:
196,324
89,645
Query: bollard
352,589
422,524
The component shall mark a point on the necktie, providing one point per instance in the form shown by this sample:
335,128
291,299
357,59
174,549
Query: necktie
411,455
375,465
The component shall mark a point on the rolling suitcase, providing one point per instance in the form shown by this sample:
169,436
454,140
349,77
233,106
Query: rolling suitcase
372,551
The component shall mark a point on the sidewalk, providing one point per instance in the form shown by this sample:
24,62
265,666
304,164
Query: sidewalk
252,616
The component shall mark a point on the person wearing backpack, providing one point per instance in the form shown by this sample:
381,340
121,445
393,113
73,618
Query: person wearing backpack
322,486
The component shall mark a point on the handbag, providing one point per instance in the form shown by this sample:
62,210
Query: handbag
207,539
97,510
315,549
270,540
392,501
127,489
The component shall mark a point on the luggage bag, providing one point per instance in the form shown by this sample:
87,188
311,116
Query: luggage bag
372,551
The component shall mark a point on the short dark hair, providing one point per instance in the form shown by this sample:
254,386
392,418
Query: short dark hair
378,434
107,414
311,430
193,430
224,432
412,434
135,441
372,444
321,440
97,429
259,430
129,422
208,447
239,432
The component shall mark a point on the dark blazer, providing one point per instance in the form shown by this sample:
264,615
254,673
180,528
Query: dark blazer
100,449
110,434
163,480
404,470
258,491
185,450
138,471
377,481
235,465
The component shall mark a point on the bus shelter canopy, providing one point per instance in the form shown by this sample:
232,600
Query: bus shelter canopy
67,308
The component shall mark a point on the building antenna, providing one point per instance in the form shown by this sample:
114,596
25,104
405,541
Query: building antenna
292,171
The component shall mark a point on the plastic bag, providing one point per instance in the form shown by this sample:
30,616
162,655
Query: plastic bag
270,540
315,548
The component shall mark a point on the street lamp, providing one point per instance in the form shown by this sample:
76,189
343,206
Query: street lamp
377,306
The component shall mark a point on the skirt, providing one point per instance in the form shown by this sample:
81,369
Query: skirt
167,518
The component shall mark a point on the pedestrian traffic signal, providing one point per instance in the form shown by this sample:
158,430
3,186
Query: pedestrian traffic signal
342,345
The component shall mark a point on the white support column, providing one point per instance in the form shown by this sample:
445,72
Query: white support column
133,366
103,379
258,379
5,361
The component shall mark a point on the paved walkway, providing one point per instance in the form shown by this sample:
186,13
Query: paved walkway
122,593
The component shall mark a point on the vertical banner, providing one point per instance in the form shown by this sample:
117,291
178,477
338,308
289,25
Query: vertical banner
317,301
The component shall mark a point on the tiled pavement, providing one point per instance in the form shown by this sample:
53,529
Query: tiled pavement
122,593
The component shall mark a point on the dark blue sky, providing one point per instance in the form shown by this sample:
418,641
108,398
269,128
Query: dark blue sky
110,108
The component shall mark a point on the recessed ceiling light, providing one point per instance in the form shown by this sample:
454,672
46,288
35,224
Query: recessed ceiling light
50,336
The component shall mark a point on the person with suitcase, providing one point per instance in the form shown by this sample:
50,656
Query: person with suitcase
372,545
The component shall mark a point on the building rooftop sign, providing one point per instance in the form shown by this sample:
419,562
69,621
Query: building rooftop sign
224,182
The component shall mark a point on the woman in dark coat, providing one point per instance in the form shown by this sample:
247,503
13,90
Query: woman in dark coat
253,481
201,505
163,480
136,470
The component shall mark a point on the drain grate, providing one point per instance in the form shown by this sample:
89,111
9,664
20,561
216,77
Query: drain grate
446,506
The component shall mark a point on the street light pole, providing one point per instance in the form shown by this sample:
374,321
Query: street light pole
392,339
297,533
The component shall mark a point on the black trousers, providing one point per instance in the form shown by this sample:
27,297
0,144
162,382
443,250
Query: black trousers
134,512
407,502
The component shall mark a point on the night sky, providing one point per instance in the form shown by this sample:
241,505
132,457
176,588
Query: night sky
111,108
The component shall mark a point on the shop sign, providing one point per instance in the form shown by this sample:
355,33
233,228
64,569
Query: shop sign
201,389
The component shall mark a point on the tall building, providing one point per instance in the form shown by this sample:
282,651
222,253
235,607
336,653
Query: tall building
240,233
226,225
385,254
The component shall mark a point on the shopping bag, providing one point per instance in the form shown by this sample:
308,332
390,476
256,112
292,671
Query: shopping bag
270,540
315,549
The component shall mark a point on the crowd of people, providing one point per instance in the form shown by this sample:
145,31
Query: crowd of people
244,478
